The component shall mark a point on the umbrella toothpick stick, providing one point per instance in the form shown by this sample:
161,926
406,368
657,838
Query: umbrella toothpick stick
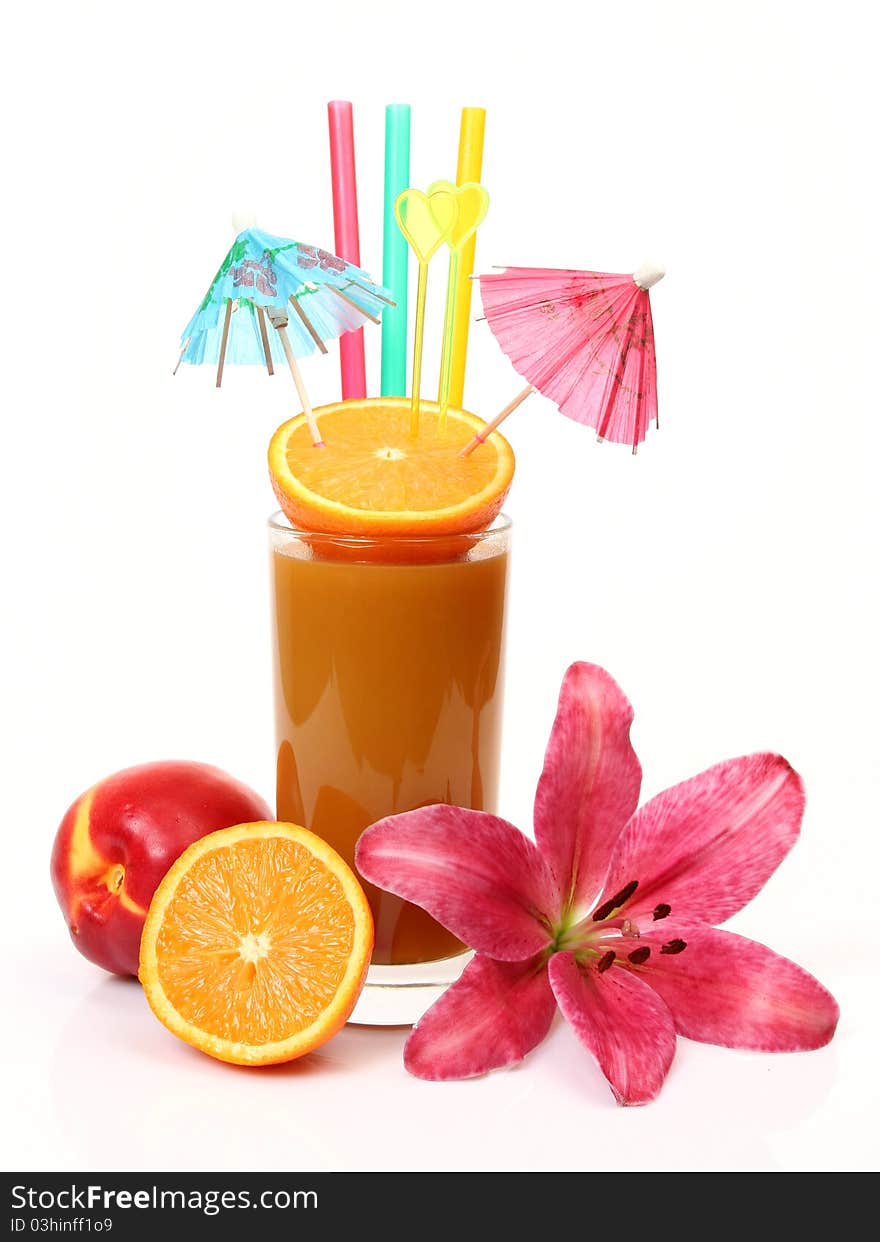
374,293
499,418
351,302
264,337
279,322
184,347
307,324
225,338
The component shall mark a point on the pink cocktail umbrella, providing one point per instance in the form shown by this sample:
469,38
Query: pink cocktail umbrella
583,339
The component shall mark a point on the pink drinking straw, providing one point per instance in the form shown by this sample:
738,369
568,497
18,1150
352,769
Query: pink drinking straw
345,221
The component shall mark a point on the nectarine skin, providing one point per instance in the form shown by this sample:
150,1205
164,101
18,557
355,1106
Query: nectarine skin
119,838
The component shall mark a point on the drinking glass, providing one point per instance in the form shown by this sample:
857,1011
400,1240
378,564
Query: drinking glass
388,663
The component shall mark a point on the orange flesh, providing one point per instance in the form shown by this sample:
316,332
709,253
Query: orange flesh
372,462
373,475
256,941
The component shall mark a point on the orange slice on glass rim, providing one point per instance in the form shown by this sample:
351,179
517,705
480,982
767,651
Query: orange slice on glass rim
256,944
373,477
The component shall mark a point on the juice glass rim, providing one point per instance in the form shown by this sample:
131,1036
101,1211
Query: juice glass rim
279,522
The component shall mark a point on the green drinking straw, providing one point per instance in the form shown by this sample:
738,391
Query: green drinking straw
395,254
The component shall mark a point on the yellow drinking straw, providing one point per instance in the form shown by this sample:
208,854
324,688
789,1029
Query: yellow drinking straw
473,203
470,169
426,222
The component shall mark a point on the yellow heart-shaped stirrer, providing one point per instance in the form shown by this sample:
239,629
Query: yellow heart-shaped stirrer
473,203
426,221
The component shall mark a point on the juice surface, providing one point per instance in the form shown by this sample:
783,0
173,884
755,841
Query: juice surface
388,697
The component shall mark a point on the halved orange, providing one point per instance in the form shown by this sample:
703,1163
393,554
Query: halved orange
374,477
256,944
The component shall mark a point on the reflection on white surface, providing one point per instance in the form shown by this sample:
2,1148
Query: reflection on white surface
127,1094
164,1100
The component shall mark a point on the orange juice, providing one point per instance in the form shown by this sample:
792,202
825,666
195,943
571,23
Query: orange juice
388,687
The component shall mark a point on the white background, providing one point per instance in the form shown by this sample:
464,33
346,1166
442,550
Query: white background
727,576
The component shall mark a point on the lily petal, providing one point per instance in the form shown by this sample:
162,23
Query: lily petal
621,1021
491,1017
476,874
707,846
590,783
726,989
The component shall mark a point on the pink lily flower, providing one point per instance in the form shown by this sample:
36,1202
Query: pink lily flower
609,915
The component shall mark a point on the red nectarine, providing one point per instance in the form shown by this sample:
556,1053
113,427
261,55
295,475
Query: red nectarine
120,837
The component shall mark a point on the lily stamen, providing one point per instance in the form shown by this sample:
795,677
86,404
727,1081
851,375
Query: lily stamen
615,902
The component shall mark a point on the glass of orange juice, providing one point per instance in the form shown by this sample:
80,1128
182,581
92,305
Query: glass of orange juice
388,661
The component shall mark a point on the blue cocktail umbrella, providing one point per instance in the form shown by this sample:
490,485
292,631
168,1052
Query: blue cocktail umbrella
275,300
